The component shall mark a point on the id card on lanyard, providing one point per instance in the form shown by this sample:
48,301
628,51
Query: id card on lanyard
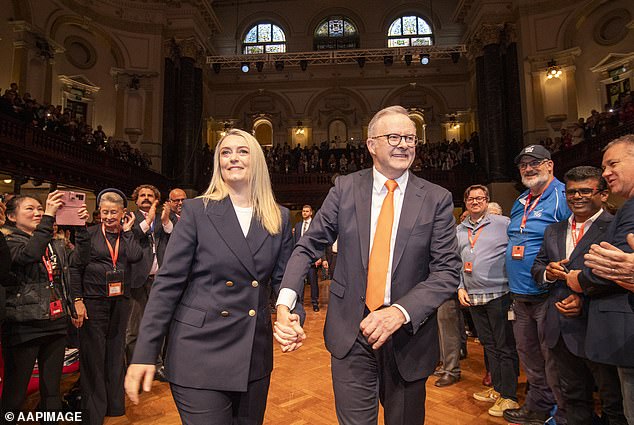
50,263
114,277
517,253
468,265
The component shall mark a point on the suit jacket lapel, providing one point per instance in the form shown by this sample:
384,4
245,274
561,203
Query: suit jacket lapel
597,228
225,221
256,236
412,205
562,229
363,207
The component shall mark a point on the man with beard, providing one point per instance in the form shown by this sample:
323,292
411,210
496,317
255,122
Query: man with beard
152,233
539,206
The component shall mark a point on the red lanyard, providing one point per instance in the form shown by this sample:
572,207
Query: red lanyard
532,207
575,237
46,259
473,240
114,253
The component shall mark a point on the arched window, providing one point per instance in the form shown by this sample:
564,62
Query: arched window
264,37
409,31
335,33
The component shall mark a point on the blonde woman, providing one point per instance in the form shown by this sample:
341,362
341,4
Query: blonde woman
228,251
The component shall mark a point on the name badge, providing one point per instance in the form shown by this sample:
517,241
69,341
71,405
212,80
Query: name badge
468,267
114,279
56,309
518,252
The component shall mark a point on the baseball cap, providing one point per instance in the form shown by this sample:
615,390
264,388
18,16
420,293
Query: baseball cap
535,151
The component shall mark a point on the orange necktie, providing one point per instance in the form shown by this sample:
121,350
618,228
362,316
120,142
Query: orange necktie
380,254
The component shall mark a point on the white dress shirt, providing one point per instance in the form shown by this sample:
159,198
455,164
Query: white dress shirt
288,297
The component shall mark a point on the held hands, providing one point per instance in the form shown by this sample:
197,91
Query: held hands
609,262
53,202
82,314
556,271
570,306
463,297
128,221
379,325
137,375
287,330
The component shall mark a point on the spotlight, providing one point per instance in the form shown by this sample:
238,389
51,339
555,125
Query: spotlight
361,61
388,60
424,59
216,67
259,66
455,57
279,66
303,64
245,67
408,60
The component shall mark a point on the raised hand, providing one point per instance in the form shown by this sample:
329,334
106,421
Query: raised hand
53,202
128,221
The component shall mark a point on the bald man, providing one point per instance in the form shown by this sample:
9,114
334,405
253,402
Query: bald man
175,202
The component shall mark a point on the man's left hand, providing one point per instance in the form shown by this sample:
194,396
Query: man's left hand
570,306
572,280
165,214
379,325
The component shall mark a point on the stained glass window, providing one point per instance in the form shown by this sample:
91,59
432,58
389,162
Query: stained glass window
336,33
409,31
264,37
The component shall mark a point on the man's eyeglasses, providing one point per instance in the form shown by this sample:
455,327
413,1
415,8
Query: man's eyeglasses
395,139
177,201
476,199
583,192
533,164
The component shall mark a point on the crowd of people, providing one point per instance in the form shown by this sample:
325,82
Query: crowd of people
326,158
550,288
56,120
621,112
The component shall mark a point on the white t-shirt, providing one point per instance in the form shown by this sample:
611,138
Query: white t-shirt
244,217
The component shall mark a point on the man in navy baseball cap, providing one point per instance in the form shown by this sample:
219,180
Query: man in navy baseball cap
535,151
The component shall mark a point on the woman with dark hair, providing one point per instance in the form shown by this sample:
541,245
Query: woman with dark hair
38,300
212,292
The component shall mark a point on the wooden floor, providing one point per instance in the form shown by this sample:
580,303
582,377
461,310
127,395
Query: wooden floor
301,389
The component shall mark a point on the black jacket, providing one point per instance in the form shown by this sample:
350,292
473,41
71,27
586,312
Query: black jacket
28,293
5,267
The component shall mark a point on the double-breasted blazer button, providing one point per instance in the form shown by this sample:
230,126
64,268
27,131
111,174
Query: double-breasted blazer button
255,283
224,313
251,313
229,283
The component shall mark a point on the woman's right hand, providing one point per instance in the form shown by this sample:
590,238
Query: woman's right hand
53,202
82,314
138,374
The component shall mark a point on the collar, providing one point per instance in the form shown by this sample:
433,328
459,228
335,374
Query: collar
378,183
591,220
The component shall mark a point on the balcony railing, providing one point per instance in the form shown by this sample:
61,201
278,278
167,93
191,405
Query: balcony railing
32,152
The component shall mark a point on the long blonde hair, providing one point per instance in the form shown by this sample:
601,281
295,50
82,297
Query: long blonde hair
265,208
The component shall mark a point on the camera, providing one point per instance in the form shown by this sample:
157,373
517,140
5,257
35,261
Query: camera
68,214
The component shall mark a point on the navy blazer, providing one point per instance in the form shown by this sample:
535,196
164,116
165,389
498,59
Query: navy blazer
425,270
212,291
610,336
571,329
141,270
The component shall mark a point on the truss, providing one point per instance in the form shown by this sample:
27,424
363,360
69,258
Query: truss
303,59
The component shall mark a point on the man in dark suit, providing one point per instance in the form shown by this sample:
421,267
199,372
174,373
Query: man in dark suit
175,200
610,334
152,233
398,261
298,231
566,318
